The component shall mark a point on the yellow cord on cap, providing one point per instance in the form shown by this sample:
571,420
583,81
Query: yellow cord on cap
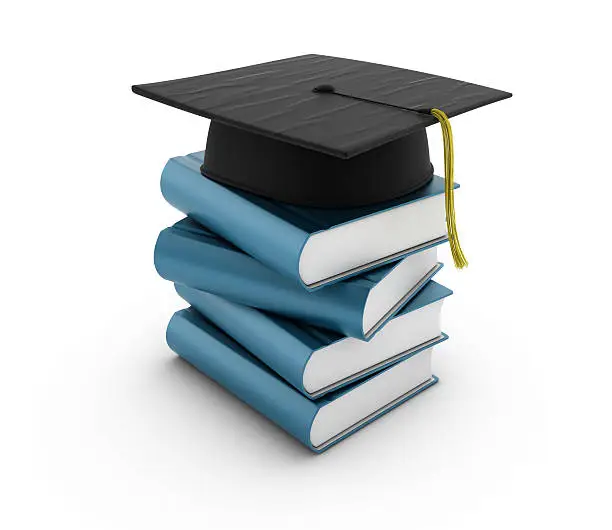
449,189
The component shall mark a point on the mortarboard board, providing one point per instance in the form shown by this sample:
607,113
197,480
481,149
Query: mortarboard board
325,131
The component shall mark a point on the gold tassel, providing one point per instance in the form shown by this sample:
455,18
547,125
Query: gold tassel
449,189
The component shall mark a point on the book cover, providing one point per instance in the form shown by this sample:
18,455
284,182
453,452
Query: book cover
313,246
189,254
317,361
318,424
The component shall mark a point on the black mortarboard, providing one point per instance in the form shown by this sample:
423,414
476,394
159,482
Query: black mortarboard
321,131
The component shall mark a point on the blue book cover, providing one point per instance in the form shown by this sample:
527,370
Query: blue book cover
317,361
189,254
313,246
318,424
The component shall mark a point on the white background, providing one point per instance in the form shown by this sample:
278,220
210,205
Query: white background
103,428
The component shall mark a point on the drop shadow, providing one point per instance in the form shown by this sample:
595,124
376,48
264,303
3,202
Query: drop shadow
253,425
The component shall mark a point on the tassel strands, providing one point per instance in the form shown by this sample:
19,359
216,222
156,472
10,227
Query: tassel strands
449,191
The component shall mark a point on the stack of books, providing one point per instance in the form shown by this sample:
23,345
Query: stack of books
320,319
310,242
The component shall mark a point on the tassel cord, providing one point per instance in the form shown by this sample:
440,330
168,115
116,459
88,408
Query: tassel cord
449,189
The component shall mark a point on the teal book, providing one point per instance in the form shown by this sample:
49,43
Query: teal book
359,307
317,361
318,424
312,246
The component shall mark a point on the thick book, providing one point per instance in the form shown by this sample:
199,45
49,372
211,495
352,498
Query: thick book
317,361
318,424
189,254
314,246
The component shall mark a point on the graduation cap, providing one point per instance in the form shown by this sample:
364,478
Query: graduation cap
324,131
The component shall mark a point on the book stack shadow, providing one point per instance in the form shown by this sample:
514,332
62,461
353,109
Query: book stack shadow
320,319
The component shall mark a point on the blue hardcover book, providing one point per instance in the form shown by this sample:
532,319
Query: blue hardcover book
313,246
316,361
191,255
318,424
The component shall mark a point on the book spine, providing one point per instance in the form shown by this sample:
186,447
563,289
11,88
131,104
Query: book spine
213,353
256,331
259,233
183,258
